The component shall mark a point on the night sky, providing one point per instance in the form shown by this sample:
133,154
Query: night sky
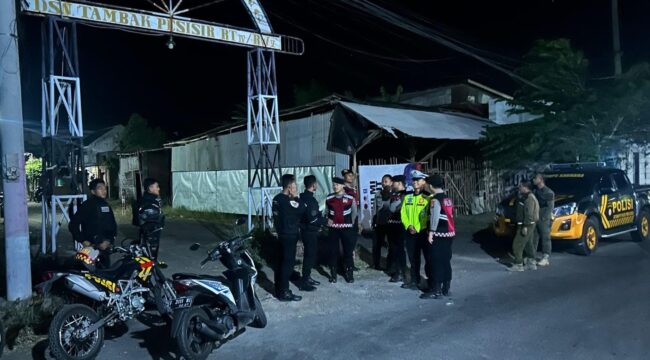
198,84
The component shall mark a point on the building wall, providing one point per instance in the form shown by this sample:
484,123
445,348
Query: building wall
129,166
304,143
627,163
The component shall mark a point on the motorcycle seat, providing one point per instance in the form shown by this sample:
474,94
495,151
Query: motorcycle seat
181,276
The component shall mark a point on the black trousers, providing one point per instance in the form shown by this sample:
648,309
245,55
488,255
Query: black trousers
345,239
285,263
415,245
396,248
381,240
310,242
439,262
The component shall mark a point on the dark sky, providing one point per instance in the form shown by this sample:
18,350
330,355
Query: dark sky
198,84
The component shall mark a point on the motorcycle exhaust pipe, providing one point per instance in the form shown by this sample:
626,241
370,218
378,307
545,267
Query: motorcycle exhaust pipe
206,331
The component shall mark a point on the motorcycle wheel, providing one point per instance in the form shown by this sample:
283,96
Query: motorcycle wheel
67,323
260,316
191,344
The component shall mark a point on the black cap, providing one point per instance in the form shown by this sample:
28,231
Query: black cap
338,180
436,181
399,178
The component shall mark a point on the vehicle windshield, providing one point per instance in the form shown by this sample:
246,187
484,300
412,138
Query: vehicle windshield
575,184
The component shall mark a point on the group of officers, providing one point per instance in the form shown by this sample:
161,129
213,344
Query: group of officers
417,223
93,225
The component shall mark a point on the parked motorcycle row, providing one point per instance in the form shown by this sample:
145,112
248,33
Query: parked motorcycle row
203,311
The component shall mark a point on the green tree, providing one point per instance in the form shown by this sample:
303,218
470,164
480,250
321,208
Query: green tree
33,171
138,135
576,120
304,94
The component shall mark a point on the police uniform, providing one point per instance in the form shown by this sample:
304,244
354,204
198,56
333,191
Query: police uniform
527,216
312,221
341,216
396,236
442,229
151,220
382,214
94,222
546,199
415,213
287,213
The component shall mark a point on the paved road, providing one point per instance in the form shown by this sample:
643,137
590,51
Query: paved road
593,307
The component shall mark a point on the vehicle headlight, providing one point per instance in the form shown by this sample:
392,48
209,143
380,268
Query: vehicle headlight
564,210
500,210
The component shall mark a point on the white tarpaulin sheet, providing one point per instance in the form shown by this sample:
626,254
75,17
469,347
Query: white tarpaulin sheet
369,182
227,192
422,124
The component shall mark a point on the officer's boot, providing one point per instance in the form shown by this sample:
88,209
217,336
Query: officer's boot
445,288
349,275
397,277
333,274
433,293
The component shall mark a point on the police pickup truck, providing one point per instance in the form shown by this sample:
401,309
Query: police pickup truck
592,202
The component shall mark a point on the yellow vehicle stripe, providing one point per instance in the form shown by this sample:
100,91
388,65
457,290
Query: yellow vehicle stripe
603,211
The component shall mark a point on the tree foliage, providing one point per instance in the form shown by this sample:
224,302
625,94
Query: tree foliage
304,94
33,171
138,135
576,119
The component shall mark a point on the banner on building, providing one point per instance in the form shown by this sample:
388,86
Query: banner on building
369,183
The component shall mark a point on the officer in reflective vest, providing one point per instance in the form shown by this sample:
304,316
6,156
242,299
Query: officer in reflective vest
441,235
341,217
415,220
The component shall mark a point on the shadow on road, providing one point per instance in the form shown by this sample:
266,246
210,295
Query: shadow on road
150,338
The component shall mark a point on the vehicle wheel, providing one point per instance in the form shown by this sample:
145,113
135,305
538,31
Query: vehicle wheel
590,236
643,227
191,344
65,342
260,318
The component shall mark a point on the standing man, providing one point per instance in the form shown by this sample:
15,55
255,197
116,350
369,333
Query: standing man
341,217
546,199
150,216
527,216
396,229
287,212
94,222
415,219
441,235
382,214
351,189
311,223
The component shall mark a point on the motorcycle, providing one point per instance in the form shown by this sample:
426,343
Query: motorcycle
103,297
212,310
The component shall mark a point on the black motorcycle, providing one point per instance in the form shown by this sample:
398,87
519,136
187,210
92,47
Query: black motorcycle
103,297
216,309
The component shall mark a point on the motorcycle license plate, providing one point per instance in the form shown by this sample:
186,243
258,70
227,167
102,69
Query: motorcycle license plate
182,302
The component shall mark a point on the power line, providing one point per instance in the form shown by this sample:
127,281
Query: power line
398,20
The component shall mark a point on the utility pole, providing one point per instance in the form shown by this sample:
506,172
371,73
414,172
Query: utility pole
16,226
616,39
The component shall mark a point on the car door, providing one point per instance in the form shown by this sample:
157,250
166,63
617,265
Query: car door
624,208
608,196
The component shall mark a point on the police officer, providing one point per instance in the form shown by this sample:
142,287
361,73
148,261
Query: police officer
441,235
415,219
396,229
382,213
287,212
312,221
341,217
527,216
94,222
150,216
546,199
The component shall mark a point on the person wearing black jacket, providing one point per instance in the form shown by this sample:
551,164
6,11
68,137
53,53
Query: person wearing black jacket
287,212
151,218
94,222
310,225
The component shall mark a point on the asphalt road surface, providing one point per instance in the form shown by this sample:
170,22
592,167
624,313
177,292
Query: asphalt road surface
594,307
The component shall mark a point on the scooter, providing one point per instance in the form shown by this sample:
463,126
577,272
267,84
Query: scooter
212,310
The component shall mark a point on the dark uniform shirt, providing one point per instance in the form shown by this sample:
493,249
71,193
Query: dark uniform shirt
312,219
94,221
150,214
546,199
287,213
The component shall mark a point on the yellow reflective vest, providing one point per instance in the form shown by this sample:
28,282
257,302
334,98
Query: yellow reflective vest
415,211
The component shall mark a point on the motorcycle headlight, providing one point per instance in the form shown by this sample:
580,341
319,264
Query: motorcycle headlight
564,210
